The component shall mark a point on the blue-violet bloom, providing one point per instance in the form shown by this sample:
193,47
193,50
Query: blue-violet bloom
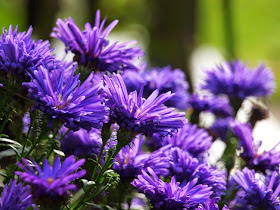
91,47
78,106
81,143
260,161
164,79
15,197
236,80
252,194
217,105
51,185
19,53
137,114
171,195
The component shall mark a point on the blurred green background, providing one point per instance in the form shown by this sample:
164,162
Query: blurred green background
168,31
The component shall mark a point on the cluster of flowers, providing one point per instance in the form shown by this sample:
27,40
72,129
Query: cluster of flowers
120,117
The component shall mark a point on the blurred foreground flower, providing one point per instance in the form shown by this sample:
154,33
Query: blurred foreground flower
15,197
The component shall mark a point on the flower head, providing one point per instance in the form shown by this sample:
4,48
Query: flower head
140,115
253,194
15,197
216,105
81,143
254,159
91,47
171,195
186,168
131,160
78,106
18,52
189,138
51,185
164,79
221,127
236,80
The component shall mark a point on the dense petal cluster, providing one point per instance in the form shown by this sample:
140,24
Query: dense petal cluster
216,105
250,152
15,197
51,185
81,143
186,168
91,47
78,106
171,195
189,138
131,160
140,115
164,79
253,194
236,80
19,53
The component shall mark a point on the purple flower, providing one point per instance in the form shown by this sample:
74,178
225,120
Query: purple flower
216,105
91,47
236,80
221,127
189,138
51,185
186,168
140,115
255,160
81,143
15,197
78,106
19,53
171,195
131,160
252,194
211,205
164,79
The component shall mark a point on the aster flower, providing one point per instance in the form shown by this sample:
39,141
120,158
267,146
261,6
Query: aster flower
51,185
189,138
211,205
171,195
254,195
164,79
15,197
78,106
81,143
236,80
186,168
131,160
216,105
221,127
254,159
19,53
91,47
139,115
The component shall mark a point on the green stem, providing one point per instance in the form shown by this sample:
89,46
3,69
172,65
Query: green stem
42,133
28,133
